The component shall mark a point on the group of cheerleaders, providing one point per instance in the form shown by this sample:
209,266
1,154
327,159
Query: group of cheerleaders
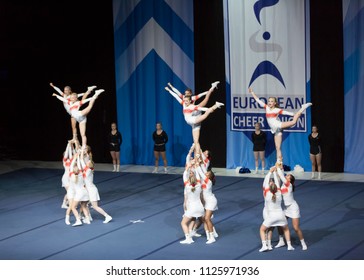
199,200
77,160
281,187
198,178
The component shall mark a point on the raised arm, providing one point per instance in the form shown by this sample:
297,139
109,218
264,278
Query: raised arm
266,180
276,180
175,90
281,175
60,98
188,157
57,89
175,95
260,102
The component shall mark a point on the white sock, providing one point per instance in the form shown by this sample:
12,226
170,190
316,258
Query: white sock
303,243
289,246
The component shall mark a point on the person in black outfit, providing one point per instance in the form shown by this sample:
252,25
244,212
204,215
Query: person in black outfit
115,139
315,151
160,139
259,139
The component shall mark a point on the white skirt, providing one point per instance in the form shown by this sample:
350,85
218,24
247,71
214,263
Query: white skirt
93,193
292,211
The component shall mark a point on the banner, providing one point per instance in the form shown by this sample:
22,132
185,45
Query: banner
266,48
353,22
154,45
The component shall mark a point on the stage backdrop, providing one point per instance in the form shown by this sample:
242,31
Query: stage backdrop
153,46
353,16
266,48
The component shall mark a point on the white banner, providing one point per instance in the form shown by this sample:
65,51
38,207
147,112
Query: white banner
266,51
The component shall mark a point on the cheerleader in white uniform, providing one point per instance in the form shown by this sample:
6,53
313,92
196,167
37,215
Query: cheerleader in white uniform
80,116
274,215
210,203
192,202
275,124
66,94
291,208
67,157
80,192
193,119
88,174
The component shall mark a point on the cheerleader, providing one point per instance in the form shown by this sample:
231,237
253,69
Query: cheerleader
291,208
192,202
93,193
192,115
80,116
209,201
273,213
67,157
66,94
80,192
276,126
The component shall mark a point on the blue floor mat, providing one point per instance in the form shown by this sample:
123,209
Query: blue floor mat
32,221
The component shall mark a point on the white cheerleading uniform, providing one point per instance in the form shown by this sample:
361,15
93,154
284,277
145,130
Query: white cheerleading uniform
65,177
191,112
90,186
272,114
291,208
194,207
76,180
208,196
75,113
273,212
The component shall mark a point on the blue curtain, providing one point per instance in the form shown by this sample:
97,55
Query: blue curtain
154,45
353,26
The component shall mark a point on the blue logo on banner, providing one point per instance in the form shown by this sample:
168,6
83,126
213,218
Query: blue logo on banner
265,67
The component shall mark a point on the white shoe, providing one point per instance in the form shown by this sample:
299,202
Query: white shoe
86,221
155,170
211,239
64,205
97,93
90,218
264,248
77,223
280,244
270,248
187,241
290,248
214,232
193,233
255,171
219,104
313,176
91,88
304,107
67,220
263,171
165,170
107,219
214,84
